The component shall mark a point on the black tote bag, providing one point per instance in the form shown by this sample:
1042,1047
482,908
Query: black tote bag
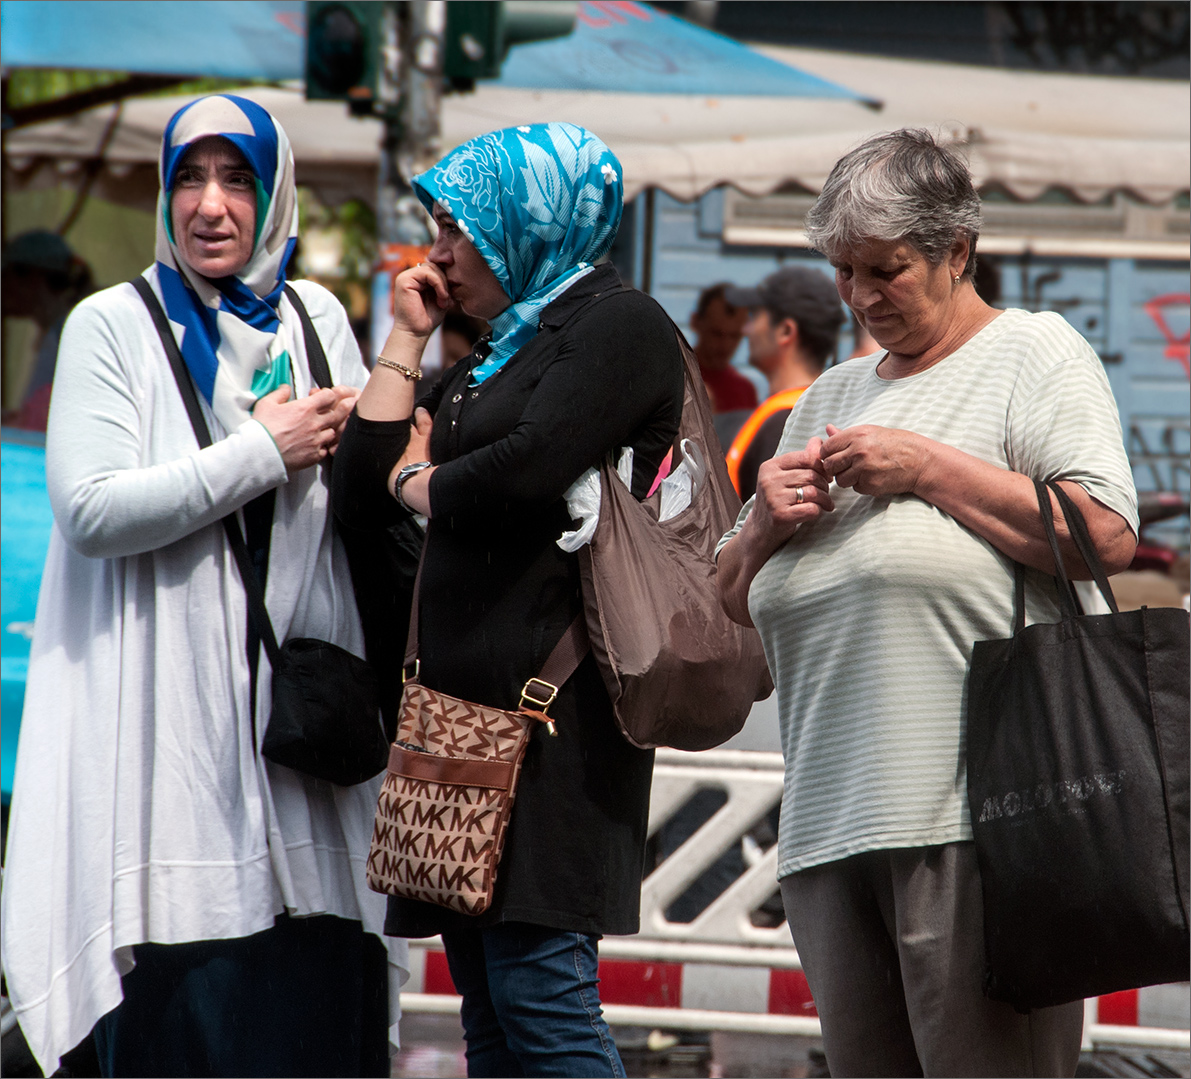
1078,788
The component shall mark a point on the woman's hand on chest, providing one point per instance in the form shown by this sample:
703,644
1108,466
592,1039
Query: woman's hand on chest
415,491
876,460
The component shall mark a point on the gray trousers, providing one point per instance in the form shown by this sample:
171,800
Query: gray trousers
892,945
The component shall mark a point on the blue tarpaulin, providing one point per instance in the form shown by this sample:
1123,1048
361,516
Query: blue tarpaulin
230,39
617,46
25,521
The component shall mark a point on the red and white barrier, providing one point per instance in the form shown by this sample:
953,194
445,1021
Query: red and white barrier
722,972
717,996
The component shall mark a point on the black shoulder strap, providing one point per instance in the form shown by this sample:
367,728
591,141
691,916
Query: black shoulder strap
231,524
320,371
1078,528
177,364
1068,597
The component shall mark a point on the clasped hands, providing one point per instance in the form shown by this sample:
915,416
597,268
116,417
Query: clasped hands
794,488
305,430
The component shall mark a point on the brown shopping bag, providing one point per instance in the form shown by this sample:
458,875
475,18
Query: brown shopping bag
679,671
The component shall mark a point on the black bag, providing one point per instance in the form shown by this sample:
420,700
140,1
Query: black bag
325,720
326,713
1078,788
383,563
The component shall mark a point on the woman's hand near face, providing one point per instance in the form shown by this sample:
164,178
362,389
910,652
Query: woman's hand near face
791,491
306,430
420,302
875,460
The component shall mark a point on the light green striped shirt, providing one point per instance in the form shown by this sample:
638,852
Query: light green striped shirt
869,615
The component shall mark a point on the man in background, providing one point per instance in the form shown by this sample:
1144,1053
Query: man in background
718,327
42,279
793,328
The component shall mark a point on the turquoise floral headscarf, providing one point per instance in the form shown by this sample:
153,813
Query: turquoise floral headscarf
541,203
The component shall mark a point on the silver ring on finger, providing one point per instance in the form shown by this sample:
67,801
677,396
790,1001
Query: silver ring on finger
799,496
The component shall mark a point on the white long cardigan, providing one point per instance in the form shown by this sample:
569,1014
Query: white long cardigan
141,811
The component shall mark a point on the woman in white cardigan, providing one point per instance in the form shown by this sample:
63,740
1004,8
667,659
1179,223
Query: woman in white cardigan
206,908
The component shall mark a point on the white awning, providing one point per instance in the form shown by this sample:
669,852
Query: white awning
1026,132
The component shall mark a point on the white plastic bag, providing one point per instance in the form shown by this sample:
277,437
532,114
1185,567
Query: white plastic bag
677,491
583,502
684,483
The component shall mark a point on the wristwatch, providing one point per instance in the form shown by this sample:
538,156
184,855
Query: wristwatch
402,476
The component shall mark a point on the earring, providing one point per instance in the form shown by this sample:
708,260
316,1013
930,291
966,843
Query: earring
955,279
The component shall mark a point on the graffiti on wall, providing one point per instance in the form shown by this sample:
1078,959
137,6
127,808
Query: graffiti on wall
1161,451
1163,310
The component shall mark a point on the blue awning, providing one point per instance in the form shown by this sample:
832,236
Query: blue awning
231,39
617,46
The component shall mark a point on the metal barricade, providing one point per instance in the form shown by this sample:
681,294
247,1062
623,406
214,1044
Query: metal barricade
728,965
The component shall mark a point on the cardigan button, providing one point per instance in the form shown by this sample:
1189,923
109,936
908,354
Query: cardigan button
457,398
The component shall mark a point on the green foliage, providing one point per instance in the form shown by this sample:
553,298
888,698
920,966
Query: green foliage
33,86
355,222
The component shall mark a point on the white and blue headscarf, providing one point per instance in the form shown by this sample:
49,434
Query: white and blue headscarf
541,204
233,343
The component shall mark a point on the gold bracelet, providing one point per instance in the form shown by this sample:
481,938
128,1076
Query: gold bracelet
408,372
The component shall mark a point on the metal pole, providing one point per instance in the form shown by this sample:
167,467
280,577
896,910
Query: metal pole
408,96
420,144
388,105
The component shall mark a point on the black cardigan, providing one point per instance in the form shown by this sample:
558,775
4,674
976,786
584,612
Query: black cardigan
604,371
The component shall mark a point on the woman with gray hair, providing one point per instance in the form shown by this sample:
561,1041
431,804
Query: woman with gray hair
879,546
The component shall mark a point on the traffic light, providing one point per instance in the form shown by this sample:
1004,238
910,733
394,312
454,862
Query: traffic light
343,52
480,33
345,41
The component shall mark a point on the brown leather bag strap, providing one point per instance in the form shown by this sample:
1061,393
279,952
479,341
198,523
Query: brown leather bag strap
411,639
568,653
539,691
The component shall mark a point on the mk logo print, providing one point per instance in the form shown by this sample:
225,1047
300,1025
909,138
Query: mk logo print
436,841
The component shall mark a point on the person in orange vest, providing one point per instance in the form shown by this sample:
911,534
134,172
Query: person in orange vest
794,321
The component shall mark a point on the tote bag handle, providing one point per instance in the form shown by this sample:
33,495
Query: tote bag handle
1078,528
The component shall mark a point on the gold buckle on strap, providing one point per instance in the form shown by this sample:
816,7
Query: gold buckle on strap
551,691
417,670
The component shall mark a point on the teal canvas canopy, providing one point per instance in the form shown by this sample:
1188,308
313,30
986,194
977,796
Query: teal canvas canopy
231,39
617,46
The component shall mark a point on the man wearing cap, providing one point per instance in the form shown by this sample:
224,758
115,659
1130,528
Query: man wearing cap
793,327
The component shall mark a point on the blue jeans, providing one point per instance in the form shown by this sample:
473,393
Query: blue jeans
531,1003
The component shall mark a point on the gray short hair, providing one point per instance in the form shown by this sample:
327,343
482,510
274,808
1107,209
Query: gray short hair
903,185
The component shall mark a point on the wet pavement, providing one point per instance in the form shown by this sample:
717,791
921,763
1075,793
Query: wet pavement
433,1049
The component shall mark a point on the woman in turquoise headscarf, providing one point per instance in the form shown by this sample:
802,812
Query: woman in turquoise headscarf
576,366
202,908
